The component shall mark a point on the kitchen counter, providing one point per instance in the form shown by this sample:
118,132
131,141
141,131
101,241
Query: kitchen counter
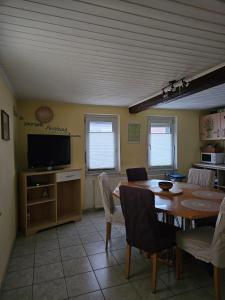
209,166
219,170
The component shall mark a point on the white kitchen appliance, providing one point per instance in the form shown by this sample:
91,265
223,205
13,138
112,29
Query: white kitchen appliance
212,158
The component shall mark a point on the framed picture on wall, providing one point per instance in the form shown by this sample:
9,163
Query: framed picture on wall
134,133
5,125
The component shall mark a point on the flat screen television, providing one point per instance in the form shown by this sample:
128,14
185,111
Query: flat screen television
47,151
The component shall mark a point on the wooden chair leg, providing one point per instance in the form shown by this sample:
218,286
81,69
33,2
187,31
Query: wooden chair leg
164,217
216,273
182,223
108,234
187,224
127,264
154,272
170,219
178,263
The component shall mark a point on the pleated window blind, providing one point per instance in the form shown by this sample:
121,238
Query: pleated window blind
162,142
101,142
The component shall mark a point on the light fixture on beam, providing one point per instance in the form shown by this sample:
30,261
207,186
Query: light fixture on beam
174,87
185,83
164,94
212,78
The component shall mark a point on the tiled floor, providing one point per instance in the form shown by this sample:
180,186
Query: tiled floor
69,262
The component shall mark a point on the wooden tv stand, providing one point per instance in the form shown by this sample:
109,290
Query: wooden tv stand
49,198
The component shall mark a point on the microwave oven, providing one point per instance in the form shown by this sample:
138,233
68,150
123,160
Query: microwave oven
212,158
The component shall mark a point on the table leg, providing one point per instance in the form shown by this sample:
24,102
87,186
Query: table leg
188,224
169,219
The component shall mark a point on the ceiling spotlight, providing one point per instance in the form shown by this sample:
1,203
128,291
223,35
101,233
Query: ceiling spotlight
164,94
172,87
184,83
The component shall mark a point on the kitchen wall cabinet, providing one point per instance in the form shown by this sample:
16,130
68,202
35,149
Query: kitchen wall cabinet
222,124
210,127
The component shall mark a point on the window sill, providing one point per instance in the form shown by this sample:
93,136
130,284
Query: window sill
156,171
96,173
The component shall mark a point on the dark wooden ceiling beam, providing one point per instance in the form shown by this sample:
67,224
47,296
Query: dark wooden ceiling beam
199,84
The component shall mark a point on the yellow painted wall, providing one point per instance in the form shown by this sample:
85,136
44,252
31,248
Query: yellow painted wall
8,206
71,116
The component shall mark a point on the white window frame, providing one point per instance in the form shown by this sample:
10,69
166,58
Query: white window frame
173,121
115,124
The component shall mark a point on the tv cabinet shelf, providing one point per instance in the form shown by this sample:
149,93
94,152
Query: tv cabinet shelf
40,186
68,217
39,201
49,198
36,226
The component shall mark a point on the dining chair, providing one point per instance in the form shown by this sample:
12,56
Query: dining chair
113,213
202,177
206,244
143,230
135,174
139,174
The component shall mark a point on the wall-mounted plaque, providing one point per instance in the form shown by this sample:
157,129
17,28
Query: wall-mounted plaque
44,114
134,133
5,126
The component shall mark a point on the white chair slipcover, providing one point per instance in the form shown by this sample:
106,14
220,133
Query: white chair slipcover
113,213
218,244
206,243
202,177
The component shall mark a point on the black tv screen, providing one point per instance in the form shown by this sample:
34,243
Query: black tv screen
48,150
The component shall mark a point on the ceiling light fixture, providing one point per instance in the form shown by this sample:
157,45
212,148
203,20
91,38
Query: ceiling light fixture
165,95
174,87
184,83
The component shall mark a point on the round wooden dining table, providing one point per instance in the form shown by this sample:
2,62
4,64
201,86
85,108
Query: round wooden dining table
184,200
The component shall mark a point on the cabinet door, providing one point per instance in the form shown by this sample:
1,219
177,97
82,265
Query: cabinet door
222,121
210,127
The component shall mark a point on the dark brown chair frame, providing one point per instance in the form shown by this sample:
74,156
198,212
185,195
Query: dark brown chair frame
145,202
136,174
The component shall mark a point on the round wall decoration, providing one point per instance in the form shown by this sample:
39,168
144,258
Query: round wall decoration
44,114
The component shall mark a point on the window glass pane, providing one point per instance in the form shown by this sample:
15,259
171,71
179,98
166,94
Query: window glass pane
160,128
100,126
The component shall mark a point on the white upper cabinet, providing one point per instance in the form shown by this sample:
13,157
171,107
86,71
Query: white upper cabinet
222,123
210,127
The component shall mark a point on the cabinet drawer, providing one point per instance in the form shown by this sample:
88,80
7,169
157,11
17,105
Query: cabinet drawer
66,176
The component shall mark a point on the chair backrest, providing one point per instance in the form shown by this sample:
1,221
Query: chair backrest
202,177
138,207
135,174
218,243
106,194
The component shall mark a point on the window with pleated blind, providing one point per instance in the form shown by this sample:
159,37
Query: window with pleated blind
162,142
101,142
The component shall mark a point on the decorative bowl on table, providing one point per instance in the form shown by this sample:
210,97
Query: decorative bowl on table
165,185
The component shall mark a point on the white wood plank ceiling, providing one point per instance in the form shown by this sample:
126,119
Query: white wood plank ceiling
107,52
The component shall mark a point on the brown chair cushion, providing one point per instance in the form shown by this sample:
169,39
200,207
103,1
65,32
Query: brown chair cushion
143,230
